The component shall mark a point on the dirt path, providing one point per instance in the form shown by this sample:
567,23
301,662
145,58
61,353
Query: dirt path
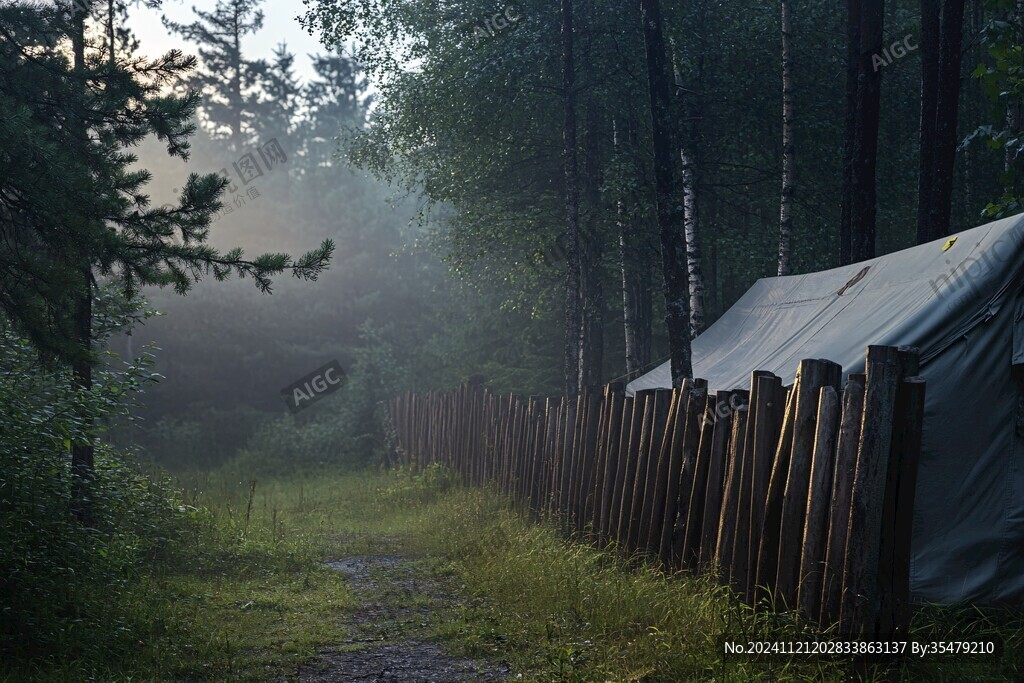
391,629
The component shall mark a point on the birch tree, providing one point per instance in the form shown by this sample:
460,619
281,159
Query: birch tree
691,205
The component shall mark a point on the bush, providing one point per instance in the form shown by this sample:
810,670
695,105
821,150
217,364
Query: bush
62,580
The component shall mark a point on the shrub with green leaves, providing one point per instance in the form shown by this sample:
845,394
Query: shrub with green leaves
60,579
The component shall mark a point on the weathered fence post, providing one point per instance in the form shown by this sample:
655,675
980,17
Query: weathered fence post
818,498
643,503
730,510
813,375
898,509
630,443
593,494
684,399
618,415
587,460
860,601
766,536
665,460
842,492
698,486
764,422
695,408
714,492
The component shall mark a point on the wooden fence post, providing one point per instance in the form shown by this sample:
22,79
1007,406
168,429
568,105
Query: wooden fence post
565,459
842,492
684,399
712,447
819,497
616,410
657,407
766,536
860,601
665,459
620,404
587,461
898,510
730,510
594,490
695,408
764,422
813,375
648,493
714,492
627,463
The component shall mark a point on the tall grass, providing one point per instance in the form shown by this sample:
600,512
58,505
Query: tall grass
240,593
566,611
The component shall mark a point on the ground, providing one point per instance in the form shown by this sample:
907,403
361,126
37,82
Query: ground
387,577
390,641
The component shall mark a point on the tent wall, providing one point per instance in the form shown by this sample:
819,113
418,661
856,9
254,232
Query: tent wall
960,303
968,536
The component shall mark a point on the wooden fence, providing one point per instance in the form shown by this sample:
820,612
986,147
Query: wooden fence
800,495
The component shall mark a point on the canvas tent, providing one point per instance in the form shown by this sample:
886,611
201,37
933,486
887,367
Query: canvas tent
962,303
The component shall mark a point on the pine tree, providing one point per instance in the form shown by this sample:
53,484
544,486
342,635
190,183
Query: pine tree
277,111
225,78
74,208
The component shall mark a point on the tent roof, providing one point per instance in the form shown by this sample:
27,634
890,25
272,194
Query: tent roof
926,296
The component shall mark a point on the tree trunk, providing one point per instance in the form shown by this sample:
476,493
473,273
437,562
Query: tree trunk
636,279
974,97
689,156
1013,106
573,312
863,204
926,135
676,286
940,94
112,57
636,288
788,145
82,470
592,341
849,128
236,84
946,105
691,224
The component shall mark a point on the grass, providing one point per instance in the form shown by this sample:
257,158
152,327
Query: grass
247,597
568,612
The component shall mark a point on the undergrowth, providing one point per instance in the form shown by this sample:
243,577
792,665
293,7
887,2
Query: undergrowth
234,588
569,612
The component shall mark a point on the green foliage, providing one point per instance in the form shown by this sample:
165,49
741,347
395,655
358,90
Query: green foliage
415,488
1001,79
562,611
226,79
63,582
74,203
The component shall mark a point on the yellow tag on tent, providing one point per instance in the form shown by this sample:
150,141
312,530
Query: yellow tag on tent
949,243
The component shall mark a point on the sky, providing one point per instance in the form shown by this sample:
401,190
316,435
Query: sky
279,25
